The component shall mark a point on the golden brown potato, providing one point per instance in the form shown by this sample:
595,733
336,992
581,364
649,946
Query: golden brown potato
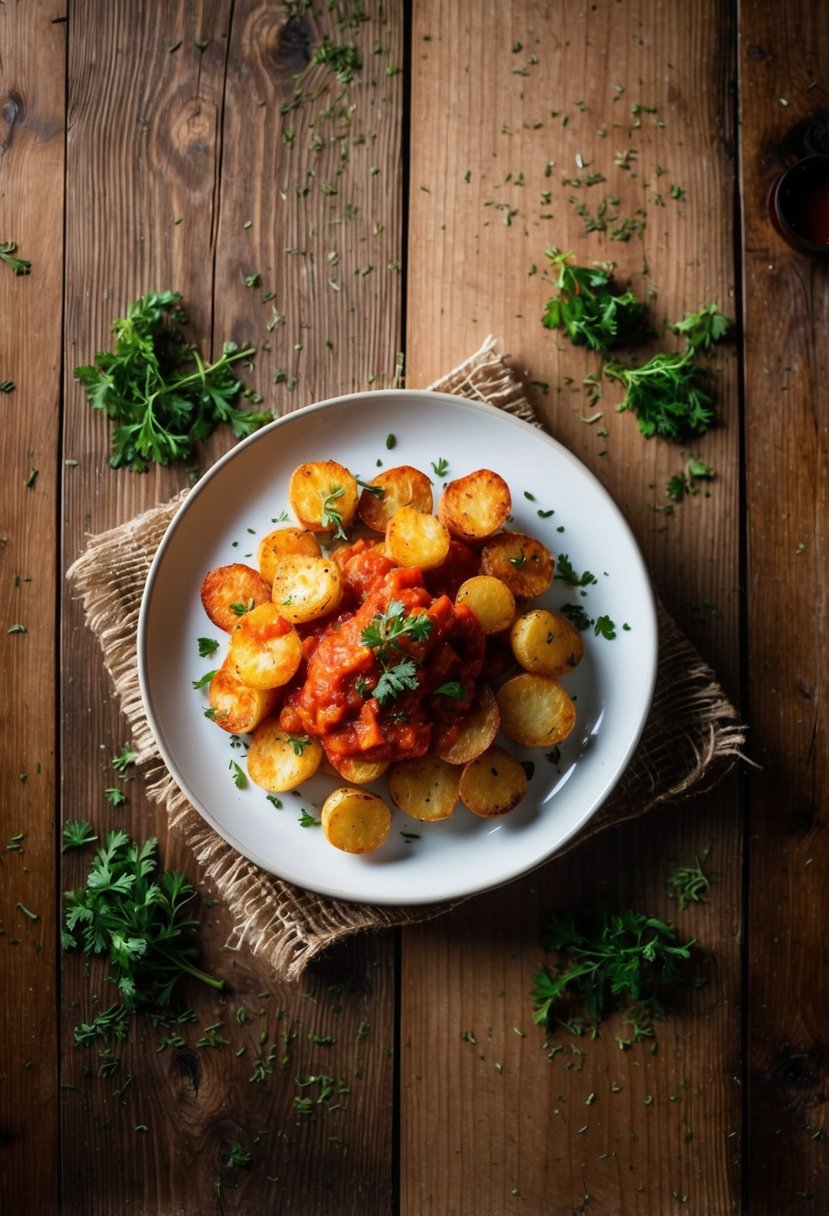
234,706
323,495
476,732
403,486
493,784
284,542
355,821
279,762
490,599
306,588
355,769
475,506
545,642
227,592
416,539
535,710
426,789
522,562
265,650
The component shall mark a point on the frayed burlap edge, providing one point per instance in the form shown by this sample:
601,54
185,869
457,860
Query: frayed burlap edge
692,734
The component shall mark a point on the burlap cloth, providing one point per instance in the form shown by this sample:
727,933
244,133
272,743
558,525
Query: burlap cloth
691,737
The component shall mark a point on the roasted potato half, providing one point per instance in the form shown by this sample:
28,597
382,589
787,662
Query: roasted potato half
306,588
426,789
546,643
265,650
493,784
323,495
520,561
279,762
458,744
227,592
403,486
536,711
235,707
355,821
416,539
282,543
490,599
474,507
355,769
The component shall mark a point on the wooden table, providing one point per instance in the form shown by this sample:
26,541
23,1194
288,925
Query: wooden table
400,197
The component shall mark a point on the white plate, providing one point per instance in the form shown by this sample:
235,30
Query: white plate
237,501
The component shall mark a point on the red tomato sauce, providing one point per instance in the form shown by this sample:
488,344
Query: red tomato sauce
332,696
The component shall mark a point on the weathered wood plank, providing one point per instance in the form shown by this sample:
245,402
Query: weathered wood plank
784,59
32,38
184,139
513,113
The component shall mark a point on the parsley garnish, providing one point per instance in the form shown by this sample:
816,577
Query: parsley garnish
77,833
394,680
385,629
689,885
207,647
307,820
241,607
238,773
330,516
205,679
567,574
299,743
622,960
666,393
576,616
588,310
604,627
19,266
136,918
124,760
452,688
440,467
158,390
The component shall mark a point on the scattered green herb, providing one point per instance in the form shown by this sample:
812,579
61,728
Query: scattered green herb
19,266
77,833
621,960
136,918
207,647
689,885
589,310
330,516
158,390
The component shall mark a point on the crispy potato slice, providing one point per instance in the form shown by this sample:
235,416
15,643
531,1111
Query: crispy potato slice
416,539
237,708
460,743
279,762
265,650
284,542
355,769
355,821
426,789
323,495
490,599
306,588
520,561
493,784
229,591
535,710
403,486
475,506
545,642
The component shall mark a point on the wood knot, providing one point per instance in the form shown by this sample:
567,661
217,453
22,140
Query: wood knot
189,1066
291,51
801,1075
14,111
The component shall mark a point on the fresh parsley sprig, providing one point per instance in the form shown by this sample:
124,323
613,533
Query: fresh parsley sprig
330,517
136,918
384,634
19,266
607,961
588,308
667,393
158,391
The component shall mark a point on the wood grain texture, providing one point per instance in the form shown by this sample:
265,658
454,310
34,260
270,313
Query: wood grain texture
783,80
31,166
181,174
512,113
